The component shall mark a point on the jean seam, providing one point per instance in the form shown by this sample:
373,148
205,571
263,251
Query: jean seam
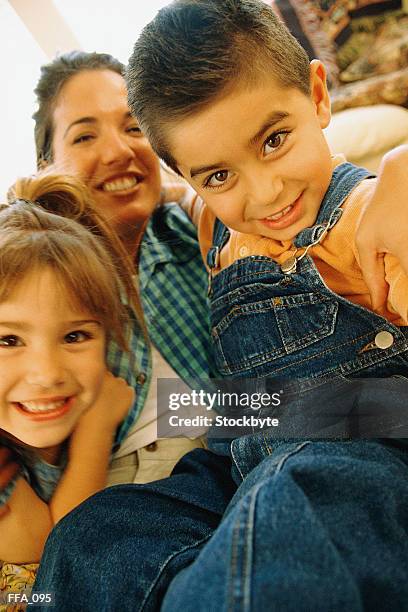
164,566
239,592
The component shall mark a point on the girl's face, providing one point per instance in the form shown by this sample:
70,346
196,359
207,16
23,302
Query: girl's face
97,139
51,361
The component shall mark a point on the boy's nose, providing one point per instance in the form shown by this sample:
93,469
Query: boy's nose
263,189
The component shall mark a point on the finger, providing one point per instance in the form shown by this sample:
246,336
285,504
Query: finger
5,454
4,509
372,267
7,473
403,259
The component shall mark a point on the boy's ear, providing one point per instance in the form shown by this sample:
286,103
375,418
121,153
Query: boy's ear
319,92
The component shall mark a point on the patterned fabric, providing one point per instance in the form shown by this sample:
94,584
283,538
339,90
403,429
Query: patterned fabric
302,17
41,476
173,286
16,579
360,41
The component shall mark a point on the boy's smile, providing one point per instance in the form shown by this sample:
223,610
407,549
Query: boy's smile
258,156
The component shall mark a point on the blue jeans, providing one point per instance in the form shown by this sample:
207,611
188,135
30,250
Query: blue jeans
313,526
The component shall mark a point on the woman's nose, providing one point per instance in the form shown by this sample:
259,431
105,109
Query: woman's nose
116,149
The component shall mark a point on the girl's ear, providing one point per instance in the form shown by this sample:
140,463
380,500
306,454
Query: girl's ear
319,92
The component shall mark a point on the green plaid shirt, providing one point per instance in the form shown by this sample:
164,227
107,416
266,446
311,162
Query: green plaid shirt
173,285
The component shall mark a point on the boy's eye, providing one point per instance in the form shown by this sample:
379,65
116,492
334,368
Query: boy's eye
77,336
10,341
217,179
274,142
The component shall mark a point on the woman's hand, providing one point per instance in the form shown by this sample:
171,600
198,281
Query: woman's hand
383,225
111,406
8,469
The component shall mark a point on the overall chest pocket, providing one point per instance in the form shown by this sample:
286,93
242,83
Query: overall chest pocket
254,327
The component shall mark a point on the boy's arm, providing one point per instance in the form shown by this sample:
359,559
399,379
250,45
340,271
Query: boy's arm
383,226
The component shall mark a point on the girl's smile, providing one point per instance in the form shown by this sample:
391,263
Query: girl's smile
52,360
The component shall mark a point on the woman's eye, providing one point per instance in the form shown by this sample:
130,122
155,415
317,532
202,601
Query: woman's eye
76,336
274,141
83,138
134,129
10,341
217,179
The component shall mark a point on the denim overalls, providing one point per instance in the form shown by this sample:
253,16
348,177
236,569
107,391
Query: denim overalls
316,525
292,327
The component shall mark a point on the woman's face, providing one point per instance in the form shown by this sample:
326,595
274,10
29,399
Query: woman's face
97,139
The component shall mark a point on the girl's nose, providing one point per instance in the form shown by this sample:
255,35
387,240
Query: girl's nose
45,370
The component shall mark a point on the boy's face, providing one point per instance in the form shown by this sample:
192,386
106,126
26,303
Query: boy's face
258,156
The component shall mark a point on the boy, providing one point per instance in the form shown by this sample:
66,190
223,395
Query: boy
228,99
260,108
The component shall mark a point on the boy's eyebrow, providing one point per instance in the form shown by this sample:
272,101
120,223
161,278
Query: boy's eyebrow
269,122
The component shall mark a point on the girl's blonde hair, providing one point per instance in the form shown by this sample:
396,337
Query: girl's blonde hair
50,221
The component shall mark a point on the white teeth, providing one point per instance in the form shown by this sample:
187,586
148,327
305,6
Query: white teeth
280,214
42,406
120,184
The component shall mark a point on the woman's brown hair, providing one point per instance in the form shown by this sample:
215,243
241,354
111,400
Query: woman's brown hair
50,221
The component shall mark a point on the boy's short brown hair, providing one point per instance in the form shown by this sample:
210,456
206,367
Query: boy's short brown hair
195,49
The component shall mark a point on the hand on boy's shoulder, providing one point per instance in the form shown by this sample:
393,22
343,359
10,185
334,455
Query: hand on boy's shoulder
383,225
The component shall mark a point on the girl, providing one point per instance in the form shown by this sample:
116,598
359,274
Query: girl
61,301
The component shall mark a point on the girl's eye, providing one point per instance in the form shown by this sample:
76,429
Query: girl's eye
218,179
77,336
82,138
10,341
274,142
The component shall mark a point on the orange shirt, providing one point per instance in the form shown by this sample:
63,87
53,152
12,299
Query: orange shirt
335,257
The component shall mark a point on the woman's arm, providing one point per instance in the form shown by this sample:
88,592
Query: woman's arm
383,225
26,525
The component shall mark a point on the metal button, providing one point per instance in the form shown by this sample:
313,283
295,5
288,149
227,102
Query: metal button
384,340
289,265
243,251
151,447
141,379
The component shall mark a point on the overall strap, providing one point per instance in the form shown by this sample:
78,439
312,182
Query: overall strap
345,178
221,236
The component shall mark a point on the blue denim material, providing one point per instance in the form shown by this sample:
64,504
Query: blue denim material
119,550
293,326
296,525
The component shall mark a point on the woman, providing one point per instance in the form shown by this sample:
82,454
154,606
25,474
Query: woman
83,127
